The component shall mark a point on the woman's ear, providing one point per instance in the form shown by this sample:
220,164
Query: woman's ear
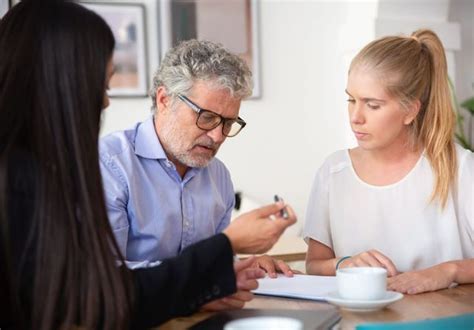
413,111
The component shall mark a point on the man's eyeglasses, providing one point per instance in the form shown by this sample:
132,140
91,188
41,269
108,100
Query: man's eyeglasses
208,120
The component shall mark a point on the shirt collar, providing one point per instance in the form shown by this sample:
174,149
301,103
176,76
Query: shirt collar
147,144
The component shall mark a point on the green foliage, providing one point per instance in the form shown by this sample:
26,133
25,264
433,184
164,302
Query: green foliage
469,105
464,138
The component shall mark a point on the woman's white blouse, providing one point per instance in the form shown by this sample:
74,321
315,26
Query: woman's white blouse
351,216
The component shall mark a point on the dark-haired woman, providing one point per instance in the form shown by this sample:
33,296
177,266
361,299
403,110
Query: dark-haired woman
58,254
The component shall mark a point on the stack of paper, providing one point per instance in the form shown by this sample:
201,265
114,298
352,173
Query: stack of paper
299,286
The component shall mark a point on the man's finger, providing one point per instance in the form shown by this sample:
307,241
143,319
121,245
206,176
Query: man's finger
291,214
284,268
283,223
268,210
269,267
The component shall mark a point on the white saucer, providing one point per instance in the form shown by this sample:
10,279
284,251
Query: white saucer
363,305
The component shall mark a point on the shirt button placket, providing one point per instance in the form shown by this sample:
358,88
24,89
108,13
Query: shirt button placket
187,239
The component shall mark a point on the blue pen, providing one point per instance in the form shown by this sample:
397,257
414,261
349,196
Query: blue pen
284,211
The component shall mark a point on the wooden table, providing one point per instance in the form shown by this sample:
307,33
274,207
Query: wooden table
448,302
288,248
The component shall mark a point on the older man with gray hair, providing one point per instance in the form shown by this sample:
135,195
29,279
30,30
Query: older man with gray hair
164,189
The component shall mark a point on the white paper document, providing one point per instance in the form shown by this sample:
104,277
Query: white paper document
299,286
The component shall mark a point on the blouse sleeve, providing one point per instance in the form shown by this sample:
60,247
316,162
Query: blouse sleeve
317,226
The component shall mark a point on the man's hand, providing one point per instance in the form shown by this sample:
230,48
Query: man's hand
431,279
371,258
257,231
271,266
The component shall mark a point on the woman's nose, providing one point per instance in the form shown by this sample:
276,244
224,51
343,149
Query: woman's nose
357,114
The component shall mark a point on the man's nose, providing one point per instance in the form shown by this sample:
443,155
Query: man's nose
216,134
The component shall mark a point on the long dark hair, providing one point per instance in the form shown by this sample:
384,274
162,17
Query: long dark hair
53,58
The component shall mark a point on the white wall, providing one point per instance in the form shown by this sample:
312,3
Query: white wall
305,49
301,115
462,11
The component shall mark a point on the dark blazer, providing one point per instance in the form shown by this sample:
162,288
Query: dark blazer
177,287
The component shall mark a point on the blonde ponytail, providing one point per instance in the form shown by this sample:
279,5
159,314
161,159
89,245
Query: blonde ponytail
436,126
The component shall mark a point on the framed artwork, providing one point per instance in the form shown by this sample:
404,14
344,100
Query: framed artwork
127,22
233,23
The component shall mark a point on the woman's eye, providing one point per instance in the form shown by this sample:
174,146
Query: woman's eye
351,100
373,106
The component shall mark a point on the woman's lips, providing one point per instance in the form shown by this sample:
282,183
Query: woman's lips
360,135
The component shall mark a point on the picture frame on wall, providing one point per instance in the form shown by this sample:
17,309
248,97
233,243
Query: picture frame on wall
234,24
127,21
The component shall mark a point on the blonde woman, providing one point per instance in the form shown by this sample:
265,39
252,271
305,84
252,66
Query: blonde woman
404,198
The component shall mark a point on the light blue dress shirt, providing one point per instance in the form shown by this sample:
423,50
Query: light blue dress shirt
154,213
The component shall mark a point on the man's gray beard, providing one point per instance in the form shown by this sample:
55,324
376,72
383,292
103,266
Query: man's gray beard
190,161
172,143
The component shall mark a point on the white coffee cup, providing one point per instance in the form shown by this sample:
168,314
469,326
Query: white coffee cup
265,322
361,283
